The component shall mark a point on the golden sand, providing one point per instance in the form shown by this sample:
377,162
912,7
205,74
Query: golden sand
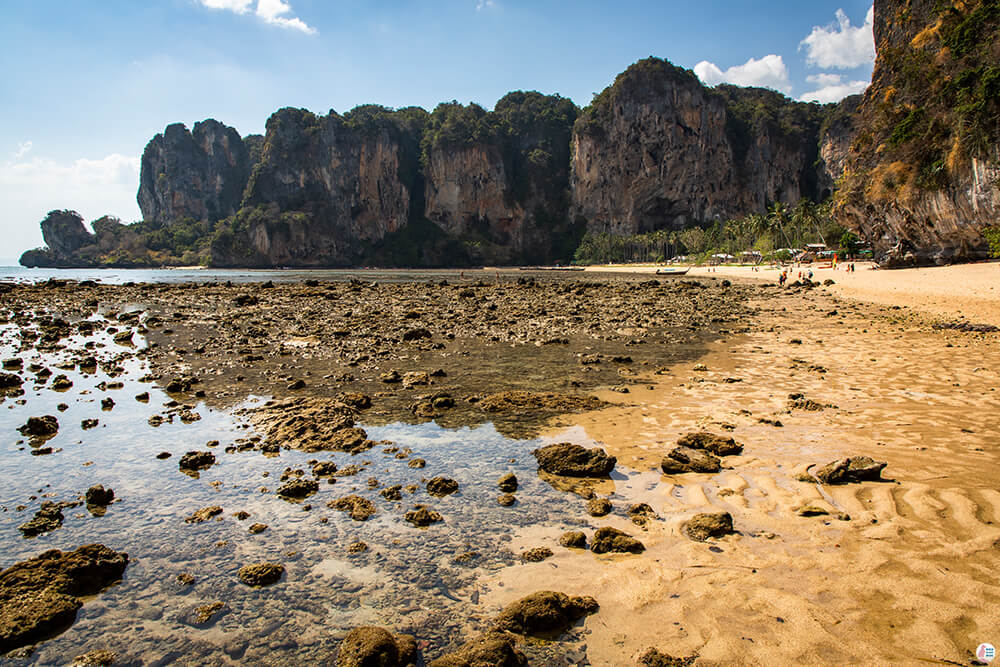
912,578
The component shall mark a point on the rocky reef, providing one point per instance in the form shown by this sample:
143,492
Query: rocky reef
922,177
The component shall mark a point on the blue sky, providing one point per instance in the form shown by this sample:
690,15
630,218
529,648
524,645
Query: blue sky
86,83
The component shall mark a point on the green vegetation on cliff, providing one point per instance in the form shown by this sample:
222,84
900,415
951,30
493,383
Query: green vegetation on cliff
646,79
937,104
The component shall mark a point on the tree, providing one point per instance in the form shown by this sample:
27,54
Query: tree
992,235
849,241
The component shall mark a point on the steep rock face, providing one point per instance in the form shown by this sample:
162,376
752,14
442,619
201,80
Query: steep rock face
775,146
325,188
498,180
467,187
923,175
64,234
658,150
836,135
199,174
651,152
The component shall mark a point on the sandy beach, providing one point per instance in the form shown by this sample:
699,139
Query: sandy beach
962,291
898,572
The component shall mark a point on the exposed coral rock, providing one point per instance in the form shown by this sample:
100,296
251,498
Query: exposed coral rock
40,597
494,648
574,461
700,527
612,540
261,574
544,613
371,646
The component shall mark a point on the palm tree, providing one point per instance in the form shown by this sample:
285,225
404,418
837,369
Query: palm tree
777,217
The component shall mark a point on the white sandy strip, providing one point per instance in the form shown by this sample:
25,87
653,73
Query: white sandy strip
969,291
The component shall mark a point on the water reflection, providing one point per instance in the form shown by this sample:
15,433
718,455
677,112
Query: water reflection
421,581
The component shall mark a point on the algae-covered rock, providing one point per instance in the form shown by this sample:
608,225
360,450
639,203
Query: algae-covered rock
573,540
574,461
684,459
358,508
612,540
371,646
441,486
851,470
261,574
40,597
494,648
716,444
544,613
700,527
297,489
508,483
422,516
195,460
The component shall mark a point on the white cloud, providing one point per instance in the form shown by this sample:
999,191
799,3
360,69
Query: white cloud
484,4
273,12
32,188
270,11
831,88
841,45
768,72
238,6
23,149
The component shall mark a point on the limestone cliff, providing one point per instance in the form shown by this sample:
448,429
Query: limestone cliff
64,234
651,152
325,187
835,137
197,174
658,150
498,181
922,178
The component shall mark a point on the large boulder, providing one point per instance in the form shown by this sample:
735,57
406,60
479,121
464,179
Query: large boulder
494,648
40,597
850,470
612,540
685,459
716,444
371,646
574,461
545,613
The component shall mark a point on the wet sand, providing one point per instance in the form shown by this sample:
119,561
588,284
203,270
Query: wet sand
911,578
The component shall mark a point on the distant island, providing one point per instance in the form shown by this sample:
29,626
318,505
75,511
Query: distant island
657,165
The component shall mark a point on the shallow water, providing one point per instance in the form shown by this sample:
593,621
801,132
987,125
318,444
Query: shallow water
21,274
410,579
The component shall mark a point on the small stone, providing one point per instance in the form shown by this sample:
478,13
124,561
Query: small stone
573,540
508,483
261,574
599,507
700,527
536,555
